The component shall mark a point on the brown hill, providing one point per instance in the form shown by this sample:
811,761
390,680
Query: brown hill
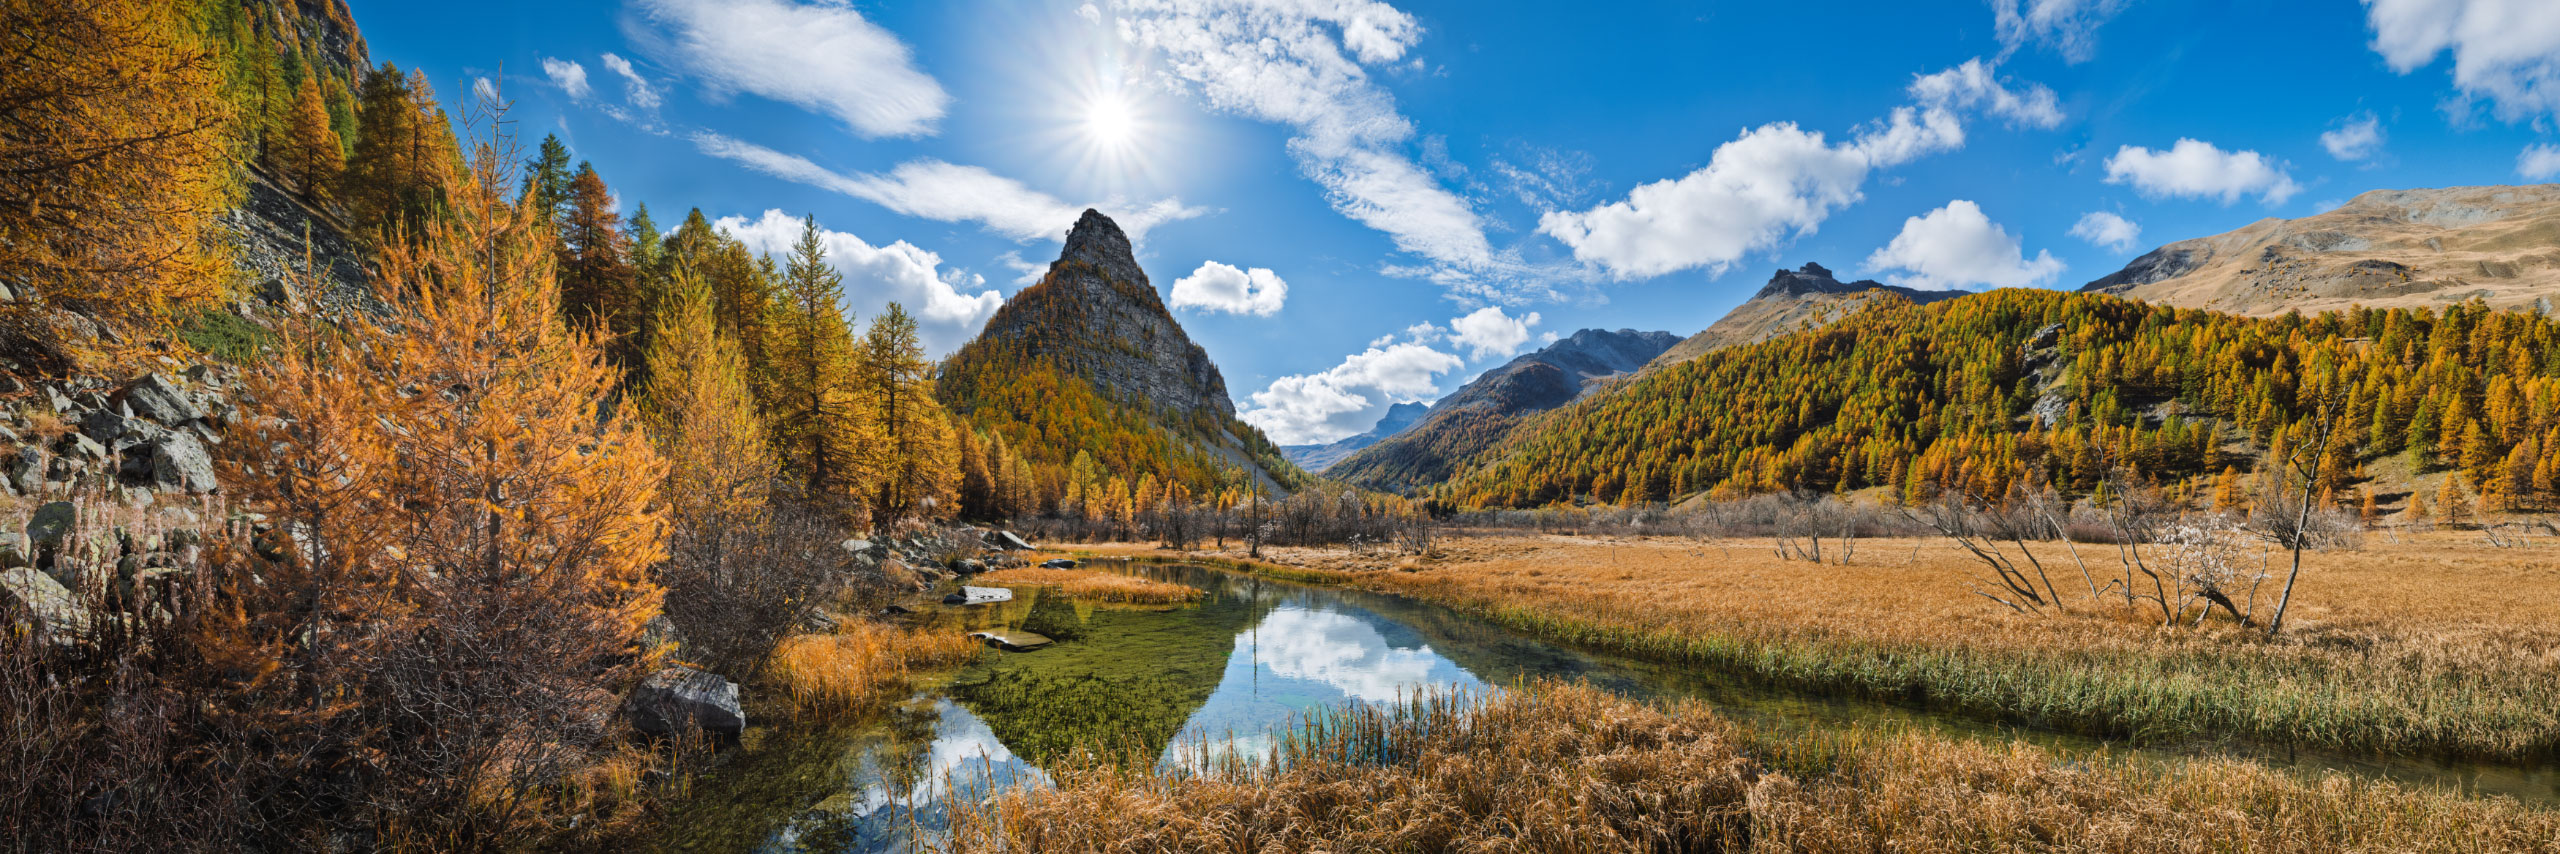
2383,249
1792,301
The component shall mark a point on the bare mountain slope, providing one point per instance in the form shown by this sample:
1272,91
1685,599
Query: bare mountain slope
1793,300
2385,248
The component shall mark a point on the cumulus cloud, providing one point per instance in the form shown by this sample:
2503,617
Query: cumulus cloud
636,87
2067,27
950,306
2198,170
568,75
1349,397
1974,85
1219,287
2107,230
1305,65
2354,139
948,192
1957,247
1489,332
2507,51
823,57
1779,181
2539,162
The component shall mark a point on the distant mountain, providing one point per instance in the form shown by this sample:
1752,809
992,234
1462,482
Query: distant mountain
1480,413
1317,458
1089,361
2382,249
1793,300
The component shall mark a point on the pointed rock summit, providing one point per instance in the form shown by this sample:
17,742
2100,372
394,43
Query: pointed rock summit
1094,317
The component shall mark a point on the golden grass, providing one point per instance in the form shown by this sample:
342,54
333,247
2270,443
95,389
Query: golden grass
1095,586
1569,768
863,666
2437,644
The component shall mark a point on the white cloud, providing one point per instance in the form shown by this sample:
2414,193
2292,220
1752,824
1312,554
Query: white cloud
875,276
1219,287
485,90
1489,332
1090,13
1972,84
1301,64
822,56
1779,181
2068,27
568,75
2355,138
2196,169
1350,397
642,95
2539,162
948,192
2504,50
2107,230
1957,247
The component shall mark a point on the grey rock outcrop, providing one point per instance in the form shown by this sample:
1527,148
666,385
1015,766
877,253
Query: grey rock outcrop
37,601
677,700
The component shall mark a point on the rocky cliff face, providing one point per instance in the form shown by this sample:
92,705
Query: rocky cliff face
2385,248
1317,458
1096,319
1792,300
1481,412
1096,315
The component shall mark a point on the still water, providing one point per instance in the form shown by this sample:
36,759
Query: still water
1251,656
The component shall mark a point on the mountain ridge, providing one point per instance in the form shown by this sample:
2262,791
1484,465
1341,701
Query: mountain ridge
1318,458
1791,301
1484,410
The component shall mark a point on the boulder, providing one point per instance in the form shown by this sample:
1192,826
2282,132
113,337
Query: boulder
677,700
15,552
80,445
968,566
178,461
1013,640
158,398
978,596
1058,563
26,473
51,524
1007,541
42,603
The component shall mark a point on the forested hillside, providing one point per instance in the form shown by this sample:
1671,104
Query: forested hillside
1109,405
2027,386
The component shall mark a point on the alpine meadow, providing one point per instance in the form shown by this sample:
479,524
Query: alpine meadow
1265,426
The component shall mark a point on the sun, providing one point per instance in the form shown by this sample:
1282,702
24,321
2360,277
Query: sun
1109,123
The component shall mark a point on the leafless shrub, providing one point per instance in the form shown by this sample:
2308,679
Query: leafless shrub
737,584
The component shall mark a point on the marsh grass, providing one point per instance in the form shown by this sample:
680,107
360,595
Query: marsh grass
2436,646
1095,586
1559,767
864,666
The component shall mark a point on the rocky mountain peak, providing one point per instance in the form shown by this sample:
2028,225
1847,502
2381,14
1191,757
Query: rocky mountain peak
1812,279
1095,239
1096,315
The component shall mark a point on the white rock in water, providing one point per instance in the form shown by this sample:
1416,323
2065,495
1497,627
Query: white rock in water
978,596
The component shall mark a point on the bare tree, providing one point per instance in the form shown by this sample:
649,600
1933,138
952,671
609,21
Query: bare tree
2305,463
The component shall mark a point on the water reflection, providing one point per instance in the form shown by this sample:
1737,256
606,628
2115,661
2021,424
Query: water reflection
1221,674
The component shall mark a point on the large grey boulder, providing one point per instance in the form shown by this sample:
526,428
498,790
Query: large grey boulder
51,524
178,461
158,398
36,600
677,700
978,596
1007,541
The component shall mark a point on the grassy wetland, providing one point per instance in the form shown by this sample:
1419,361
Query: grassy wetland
2438,645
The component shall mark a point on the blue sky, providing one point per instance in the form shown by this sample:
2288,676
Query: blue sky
1353,203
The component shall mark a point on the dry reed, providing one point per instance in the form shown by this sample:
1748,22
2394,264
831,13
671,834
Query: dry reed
1571,768
2439,645
863,666
1095,586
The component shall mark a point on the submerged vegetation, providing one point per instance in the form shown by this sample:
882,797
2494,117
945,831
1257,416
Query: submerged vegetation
1557,767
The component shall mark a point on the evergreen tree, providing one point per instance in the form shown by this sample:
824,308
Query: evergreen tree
699,409
596,283
397,180
918,466
546,180
820,428
309,155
